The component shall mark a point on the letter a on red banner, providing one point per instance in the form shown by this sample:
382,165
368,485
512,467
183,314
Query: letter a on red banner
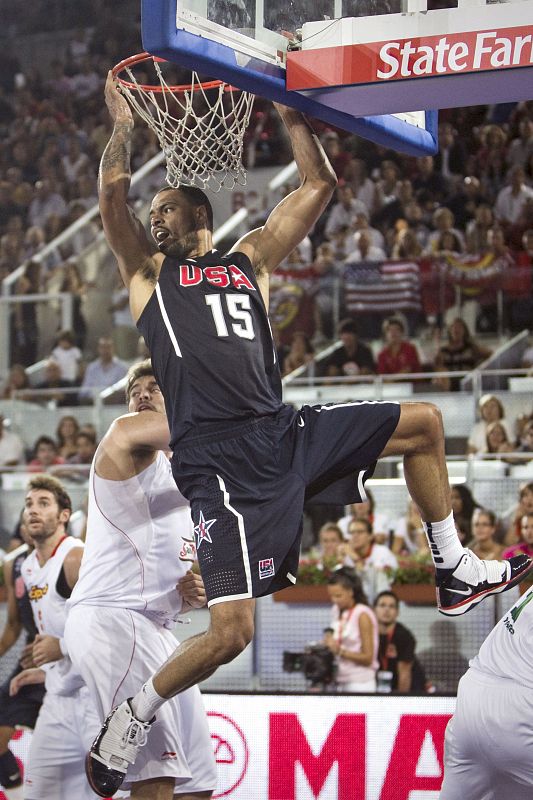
401,778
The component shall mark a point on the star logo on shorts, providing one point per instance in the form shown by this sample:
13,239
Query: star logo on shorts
201,531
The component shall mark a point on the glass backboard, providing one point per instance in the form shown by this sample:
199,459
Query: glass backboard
245,43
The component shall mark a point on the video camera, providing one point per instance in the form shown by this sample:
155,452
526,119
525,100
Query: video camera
317,663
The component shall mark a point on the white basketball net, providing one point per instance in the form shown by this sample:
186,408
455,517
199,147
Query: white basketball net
200,132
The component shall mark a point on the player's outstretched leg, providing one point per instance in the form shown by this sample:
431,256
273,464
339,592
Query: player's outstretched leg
462,579
127,726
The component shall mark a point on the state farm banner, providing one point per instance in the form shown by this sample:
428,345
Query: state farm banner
322,747
408,58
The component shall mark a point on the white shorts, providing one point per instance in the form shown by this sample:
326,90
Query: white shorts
116,651
488,747
65,730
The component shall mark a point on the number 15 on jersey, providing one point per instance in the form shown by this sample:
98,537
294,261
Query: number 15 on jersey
232,310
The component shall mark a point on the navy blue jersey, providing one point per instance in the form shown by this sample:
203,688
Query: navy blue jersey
23,602
211,346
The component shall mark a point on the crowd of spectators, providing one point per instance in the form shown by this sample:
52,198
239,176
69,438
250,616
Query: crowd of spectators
72,444
468,209
374,545
53,129
53,134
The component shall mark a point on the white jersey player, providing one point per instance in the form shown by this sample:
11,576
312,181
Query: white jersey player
67,719
138,547
489,740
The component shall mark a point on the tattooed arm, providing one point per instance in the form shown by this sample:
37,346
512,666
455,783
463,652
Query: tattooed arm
124,232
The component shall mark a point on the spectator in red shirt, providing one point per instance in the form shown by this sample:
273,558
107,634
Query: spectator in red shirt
398,356
526,530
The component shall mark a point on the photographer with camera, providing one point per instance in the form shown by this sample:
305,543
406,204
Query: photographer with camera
353,637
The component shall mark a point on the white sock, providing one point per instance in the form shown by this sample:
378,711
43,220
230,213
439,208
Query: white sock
147,702
14,794
446,549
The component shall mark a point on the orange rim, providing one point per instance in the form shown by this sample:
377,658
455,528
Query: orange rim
132,61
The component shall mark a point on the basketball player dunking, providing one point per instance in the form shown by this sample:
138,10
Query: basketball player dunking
244,459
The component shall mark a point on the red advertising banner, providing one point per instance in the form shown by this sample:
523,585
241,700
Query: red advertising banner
323,747
415,57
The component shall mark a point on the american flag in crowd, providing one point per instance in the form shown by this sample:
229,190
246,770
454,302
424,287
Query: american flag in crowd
386,286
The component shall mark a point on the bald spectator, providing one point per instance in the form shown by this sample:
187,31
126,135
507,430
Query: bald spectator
103,372
363,249
362,224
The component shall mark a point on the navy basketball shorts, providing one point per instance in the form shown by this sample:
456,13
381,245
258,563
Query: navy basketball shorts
247,487
21,710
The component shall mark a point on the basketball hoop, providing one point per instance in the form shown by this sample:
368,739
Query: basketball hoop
199,126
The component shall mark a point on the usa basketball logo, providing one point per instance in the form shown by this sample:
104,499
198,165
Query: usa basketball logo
266,568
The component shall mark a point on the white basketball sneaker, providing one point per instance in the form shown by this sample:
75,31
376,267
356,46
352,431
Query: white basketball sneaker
114,749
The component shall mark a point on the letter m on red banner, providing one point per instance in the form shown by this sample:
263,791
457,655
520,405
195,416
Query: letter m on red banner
345,744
